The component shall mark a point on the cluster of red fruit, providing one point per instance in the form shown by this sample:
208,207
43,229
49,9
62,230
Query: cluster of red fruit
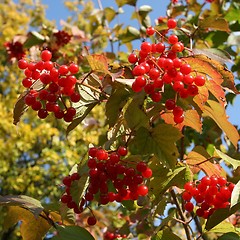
62,38
108,171
210,194
15,50
157,66
58,85
111,235
108,168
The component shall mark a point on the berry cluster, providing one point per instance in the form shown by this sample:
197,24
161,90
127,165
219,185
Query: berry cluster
14,50
108,168
62,38
108,171
157,66
113,235
58,83
210,194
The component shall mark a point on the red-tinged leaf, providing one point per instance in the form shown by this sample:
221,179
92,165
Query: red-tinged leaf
217,112
214,23
213,69
31,228
217,91
191,119
199,159
19,109
98,63
201,98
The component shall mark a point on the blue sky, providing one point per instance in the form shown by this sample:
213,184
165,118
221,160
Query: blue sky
56,11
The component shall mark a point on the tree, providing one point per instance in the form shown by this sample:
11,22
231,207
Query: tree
115,144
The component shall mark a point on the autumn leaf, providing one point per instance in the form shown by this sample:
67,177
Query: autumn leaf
214,23
217,112
31,228
98,63
199,159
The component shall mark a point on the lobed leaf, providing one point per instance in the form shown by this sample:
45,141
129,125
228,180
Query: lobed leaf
199,159
165,234
217,112
214,23
19,108
31,228
98,63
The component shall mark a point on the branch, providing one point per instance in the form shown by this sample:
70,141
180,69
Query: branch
184,222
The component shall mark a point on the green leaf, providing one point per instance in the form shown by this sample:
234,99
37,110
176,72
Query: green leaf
161,141
129,35
120,3
223,227
109,13
233,39
234,162
115,103
34,38
164,178
145,8
219,215
214,23
217,112
235,198
229,236
165,234
135,114
32,204
72,233
78,188
31,228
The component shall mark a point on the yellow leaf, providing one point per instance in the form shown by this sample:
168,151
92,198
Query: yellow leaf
217,112
98,63
31,228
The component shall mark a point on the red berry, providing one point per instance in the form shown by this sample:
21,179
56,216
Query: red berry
91,221
172,39
147,173
122,151
170,104
46,55
178,119
188,206
42,113
139,70
73,68
146,47
22,64
156,96
185,69
63,70
150,31
132,58
178,111
199,80
142,190
171,23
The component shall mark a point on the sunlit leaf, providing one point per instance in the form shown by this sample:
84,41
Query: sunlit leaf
214,69
109,13
121,3
31,204
31,228
234,162
129,34
199,159
214,23
217,112
98,63
165,234
235,198
72,233
223,227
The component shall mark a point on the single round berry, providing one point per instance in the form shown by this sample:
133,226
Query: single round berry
122,151
171,23
188,206
73,68
132,58
46,55
91,221
146,47
173,39
22,64
170,104
199,80
142,190
150,31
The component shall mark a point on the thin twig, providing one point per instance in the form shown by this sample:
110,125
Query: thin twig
180,211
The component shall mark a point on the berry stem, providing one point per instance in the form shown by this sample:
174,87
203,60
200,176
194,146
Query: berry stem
180,211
